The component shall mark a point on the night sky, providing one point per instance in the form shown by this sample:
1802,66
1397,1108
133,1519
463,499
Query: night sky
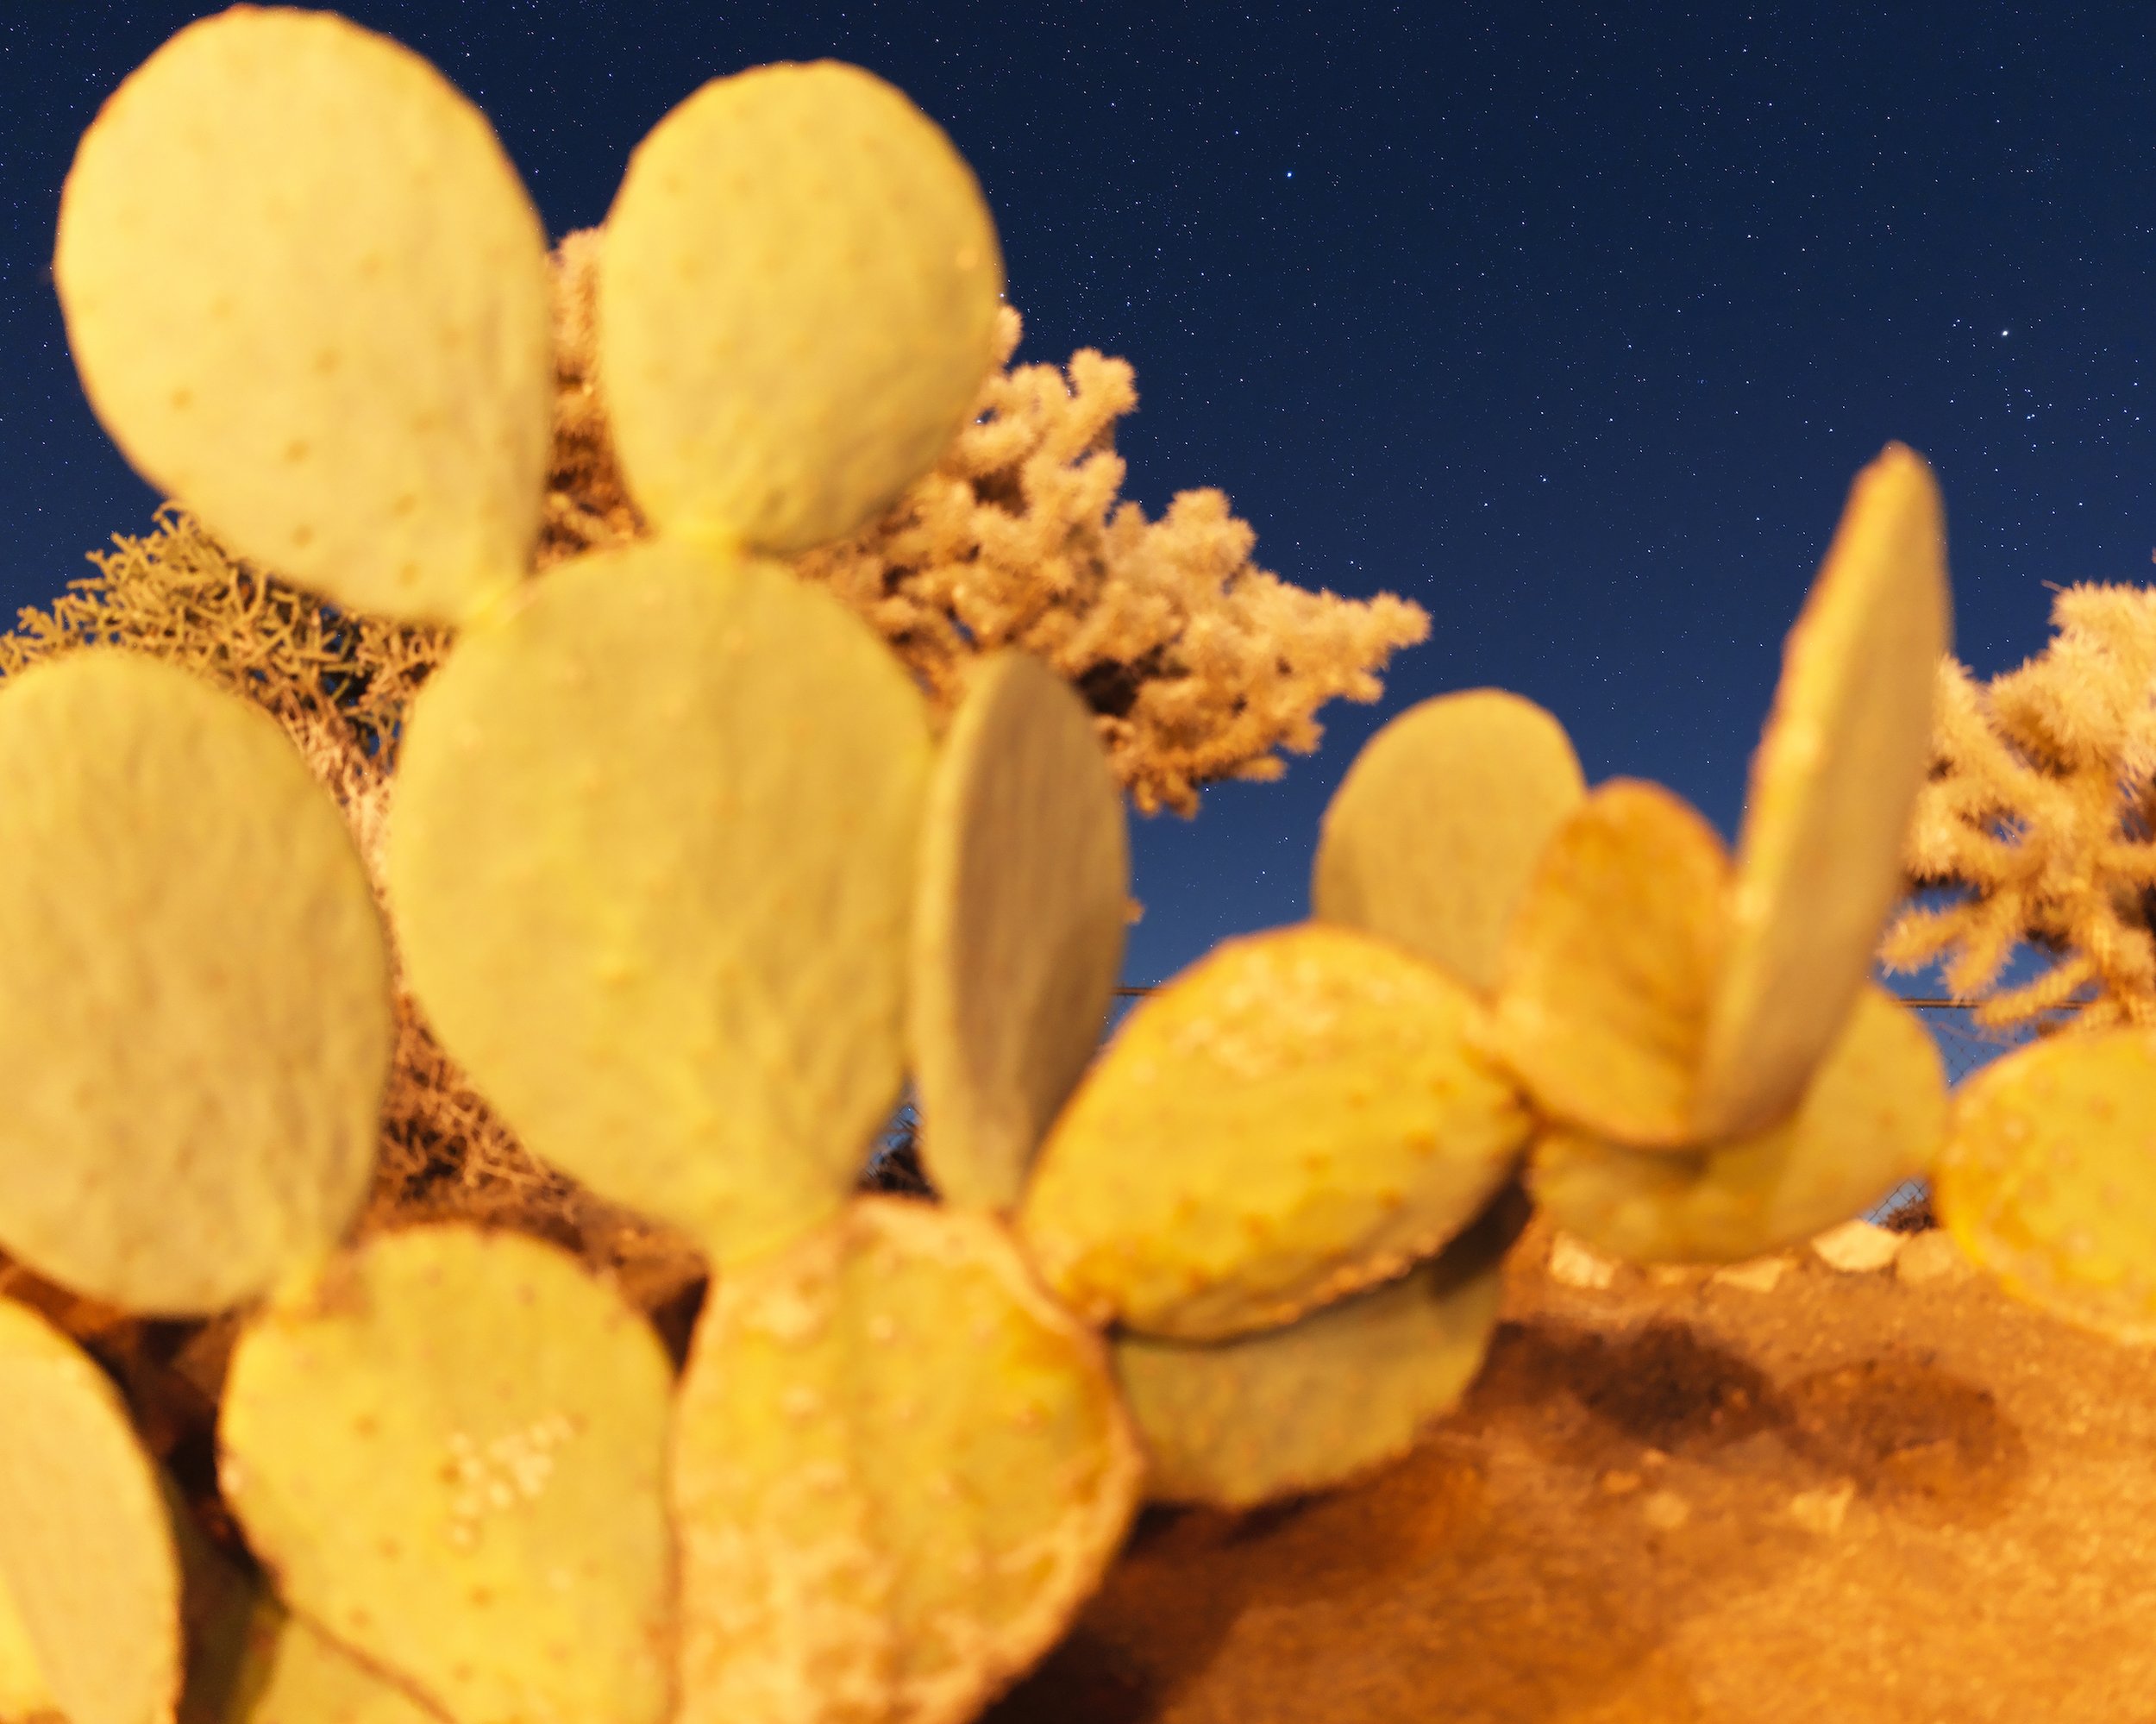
1572,327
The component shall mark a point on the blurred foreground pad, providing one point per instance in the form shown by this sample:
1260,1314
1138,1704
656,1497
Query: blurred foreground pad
1434,833
309,298
86,1551
797,302
2048,1182
899,1469
292,1674
1018,931
1610,965
1874,1116
195,1017
1818,861
1298,1116
1288,1411
652,865
450,1450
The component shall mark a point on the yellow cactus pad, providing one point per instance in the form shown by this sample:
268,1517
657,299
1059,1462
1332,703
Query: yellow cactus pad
1310,1406
651,863
86,1551
1819,861
24,1693
308,296
1017,931
292,1674
1434,833
899,1469
796,300
1874,1116
1610,965
451,1452
2048,1178
1297,1116
195,1022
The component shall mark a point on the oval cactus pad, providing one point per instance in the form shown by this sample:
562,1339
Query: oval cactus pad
1018,929
899,1469
1610,964
308,296
1310,1406
2048,1178
292,1674
86,1550
1818,861
796,300
1433,834
1297,1116
450,1452
651,862
195,1019
1874,1116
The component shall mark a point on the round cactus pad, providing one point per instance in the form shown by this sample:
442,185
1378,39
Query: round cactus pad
651,864
796,300
2048,1177
1874,1116
1818,861
450,1450
899,1469
1018,931
195,1020
1610,964
1297,1116
1433,836
309,298
86,1551
292,1674
24,1692
1306,1407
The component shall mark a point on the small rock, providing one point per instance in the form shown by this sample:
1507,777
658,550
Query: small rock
1665,1511
1669,1275
1616,1482
1574,1262
1858,1247
1931,1256
1759,1276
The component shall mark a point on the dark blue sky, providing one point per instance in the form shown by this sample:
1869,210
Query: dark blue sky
1571,326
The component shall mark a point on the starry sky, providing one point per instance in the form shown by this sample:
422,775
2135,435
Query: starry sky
1572,325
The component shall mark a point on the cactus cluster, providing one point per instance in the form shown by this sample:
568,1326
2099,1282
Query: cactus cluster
683,878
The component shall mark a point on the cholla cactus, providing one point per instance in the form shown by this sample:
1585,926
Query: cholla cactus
2040,811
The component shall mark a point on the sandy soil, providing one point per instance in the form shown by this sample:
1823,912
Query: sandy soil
1891,1494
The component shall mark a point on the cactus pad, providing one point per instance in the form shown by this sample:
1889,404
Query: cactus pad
797,301
1297,1116
2048,1181
1308,1406
651,864
1433,834
898,1469
308,296
450,1450
1874,1116
1610,964
86,1550
292,1674
195,1018
1017,931
1818,861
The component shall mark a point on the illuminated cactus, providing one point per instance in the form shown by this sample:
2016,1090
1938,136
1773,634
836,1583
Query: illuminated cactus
680,877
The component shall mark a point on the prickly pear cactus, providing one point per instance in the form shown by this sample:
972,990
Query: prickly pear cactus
679,873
